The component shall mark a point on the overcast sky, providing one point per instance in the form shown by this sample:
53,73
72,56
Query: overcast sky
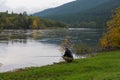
31,6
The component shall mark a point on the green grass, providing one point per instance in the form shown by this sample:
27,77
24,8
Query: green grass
103,66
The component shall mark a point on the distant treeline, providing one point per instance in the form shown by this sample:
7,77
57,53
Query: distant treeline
24,21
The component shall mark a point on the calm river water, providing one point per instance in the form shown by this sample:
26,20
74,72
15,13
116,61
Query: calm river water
20,49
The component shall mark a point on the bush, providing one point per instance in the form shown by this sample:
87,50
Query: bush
82,49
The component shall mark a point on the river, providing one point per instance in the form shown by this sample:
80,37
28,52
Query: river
32,48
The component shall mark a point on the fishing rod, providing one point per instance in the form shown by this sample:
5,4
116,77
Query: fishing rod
48,56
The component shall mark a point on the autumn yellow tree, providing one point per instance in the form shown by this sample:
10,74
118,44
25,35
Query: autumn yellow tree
35,23
67,42
111,39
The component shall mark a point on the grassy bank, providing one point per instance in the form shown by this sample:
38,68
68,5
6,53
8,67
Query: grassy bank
104,66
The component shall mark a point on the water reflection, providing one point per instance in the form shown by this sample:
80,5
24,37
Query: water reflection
19,55
19,48
76,35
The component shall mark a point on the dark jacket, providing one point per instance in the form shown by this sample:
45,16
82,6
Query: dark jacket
68,54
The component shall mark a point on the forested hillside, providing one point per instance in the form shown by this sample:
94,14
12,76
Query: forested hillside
72,7
23,21
84,13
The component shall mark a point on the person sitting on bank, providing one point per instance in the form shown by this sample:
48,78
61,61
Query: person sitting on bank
68,57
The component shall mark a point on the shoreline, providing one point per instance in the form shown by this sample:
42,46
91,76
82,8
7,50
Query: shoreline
23,68
102,66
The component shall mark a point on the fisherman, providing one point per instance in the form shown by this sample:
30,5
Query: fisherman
68,57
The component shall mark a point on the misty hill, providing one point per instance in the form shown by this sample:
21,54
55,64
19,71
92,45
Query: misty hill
72,7
82,13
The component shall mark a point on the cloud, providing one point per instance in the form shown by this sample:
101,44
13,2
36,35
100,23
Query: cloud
2,5
30,6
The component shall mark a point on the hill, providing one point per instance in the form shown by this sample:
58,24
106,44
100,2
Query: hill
83,13
72,7
104,66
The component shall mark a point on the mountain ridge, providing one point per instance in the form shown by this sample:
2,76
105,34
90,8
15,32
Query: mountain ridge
66,8
96,16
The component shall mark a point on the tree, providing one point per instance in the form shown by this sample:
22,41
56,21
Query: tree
111,39
24,21
24,13
35,23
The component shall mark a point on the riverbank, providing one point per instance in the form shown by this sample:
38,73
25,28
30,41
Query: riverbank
103,66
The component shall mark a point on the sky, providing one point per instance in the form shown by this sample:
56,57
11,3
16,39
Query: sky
31,6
